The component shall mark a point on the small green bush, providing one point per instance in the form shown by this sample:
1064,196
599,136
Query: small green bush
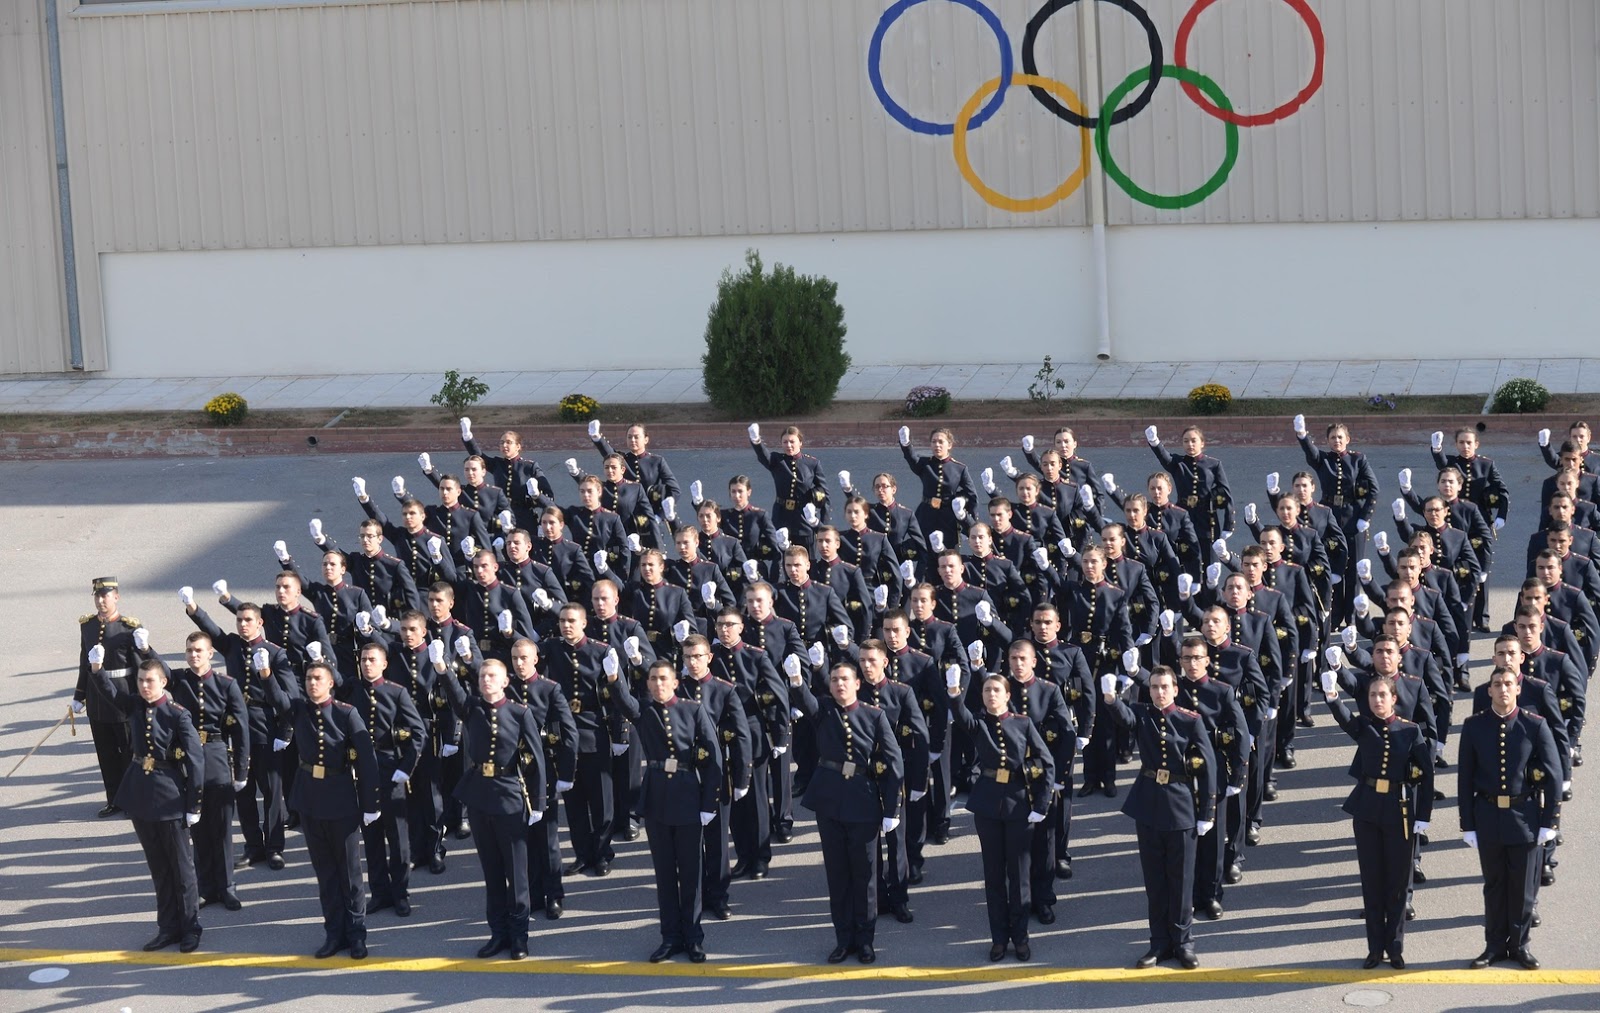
227,409
927,401
1519,396
774,342
577,408
1210,399
459,392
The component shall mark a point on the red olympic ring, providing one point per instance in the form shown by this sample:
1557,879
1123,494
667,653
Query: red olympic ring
1180,58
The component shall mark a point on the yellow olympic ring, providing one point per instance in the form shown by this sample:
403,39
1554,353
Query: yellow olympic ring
994,197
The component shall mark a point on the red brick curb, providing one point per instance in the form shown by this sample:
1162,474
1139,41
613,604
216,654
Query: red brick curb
1369,429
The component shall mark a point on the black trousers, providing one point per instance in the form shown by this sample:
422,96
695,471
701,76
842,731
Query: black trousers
1100,755
676,855
589,807
170,855
502,842
1208,864
1007,870
1167,859
1230,818
781,771
627,780
715,875
1060,818
111,748
212,838
544,851
1042,850
752,816
262,827
1383,855
425,803
1510,887
335,847
850,860
938,797
388,846
894,870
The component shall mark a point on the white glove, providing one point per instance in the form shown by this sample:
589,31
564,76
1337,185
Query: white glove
958,506
1308,654
313,649
1380,541
706,818
1299,425
1399,508
696,493
563,786
781,537
986,479
844,480
1083,743
315,528
635,545
364,622
952,676
499,546
1436,441
816,654
1035,817
1219,548
400,777
905,436
279,745
1463,658
97,654
506,521
1203,827
1272,482
1068,550
186,595
630,648
425,463
534,816
572,467
1213,574
600,562
463,646
985,613
791,668
594,429
1150,435
141,639
1499,522
740,793
1109,481
398,486
532,485
810,515
1249,513
1231,791
1009,468
1470,837
190,819
880,596
436,549
449,750
238,785
466,428
1169,620
1334,657
1227,535
975,652
1348,636
436,652
1041,559
708,593
680,630
916,796
889,823
468,547
1546,835
359,484
610,665
541,599
503,620
1361,602
669,507
1423,825
754,430
220,588
1108,684
1086,497
1544,437
1027,444
1130,661
1405,479
1364,569
1272,713
1185,585
752,570
280,549
260,659
841,634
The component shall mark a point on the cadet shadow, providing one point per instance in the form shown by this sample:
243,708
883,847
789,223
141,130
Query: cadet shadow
1547,1004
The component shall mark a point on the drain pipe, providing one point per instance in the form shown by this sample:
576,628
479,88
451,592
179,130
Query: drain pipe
1089,34
58,116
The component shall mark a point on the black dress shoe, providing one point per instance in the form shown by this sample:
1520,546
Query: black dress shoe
600,868
940,836
464,831
1186,957
740,870
760,871
1109,791
496,944
1537,921
902,913
1486,958
1024,951
230,901
188,944
837,954
552,909
1440,763
292,822
436,864
1397,962
1087,789
518,951
1526,959
1547,876
1252,835
379,904
275,861
1417,875
1286,759
632,832
1411,913
1211,909
1047,914
1373,960
159,941
1233,875
666,951
997,952
1150,959
783,835
1270,792
1305,721
1063,868
1566,794
109,809
402,907
866,954
329,947
721,912
358,949
915,875
1577,756
696,952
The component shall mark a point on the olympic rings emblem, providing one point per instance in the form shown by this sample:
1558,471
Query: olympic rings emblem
1064,103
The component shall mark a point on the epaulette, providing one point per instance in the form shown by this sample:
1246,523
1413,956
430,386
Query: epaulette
342,705
84,619
1531,714
1403,721
130,622
1185,710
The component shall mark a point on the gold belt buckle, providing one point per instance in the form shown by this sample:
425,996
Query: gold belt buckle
318,771
1382,785
1503,801
205,737
1087,637
1002,776
671,765
788,504
1192,501
149,764
848,769
1163,776
488,769
1338,501
936,502
485,644
653,634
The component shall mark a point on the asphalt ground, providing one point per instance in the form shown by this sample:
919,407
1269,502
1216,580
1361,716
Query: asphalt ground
75,894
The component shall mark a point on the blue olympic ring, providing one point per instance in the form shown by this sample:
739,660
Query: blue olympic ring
898,112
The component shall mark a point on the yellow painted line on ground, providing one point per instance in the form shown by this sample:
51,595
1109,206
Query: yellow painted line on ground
1020,974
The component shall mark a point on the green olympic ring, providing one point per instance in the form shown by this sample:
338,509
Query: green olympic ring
1102,136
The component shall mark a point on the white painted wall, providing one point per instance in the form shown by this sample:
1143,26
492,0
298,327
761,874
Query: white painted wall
1481,289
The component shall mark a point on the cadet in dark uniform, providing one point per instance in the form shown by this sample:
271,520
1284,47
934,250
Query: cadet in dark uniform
765,698
335,794
574,662
1009,799
683,778
1218,706
1350,490
160,790
1508,778
113,632
501,744
855,793
543,697
943,479
719,700
1391,803
900,704
520,478
398,736
1172,802
799,483
1200,486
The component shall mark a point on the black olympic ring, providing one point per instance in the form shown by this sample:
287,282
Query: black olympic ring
1031,66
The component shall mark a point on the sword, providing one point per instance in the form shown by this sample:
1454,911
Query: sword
46,738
